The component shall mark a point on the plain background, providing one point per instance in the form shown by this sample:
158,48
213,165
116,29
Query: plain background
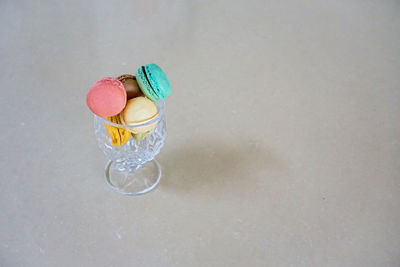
283,144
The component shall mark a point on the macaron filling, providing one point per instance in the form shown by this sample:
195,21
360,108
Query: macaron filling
148,80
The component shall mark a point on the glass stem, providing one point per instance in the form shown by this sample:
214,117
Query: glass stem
126,165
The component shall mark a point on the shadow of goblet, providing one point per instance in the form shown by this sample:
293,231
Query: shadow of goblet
215,164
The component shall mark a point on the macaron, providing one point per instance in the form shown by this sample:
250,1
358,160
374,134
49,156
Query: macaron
153,82
141,136
131,86
107,97
139,110
119,136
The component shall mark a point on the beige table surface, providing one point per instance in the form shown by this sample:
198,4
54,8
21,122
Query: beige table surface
283,144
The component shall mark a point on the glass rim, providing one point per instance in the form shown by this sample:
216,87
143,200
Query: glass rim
160,109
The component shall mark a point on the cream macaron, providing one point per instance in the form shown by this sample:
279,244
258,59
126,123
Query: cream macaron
137,111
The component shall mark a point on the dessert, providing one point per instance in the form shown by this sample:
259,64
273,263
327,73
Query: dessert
107,97
131,86
153,82
128,102
137,111
141,136
119,136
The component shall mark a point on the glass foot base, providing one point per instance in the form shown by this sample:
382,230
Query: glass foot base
134,182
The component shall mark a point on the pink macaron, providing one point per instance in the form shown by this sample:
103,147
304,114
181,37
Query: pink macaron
107,97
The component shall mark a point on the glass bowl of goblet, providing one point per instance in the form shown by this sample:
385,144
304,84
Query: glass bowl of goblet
131,168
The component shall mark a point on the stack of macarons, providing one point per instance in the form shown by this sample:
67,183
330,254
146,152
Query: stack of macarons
129,100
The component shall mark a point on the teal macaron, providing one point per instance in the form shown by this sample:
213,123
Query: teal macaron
153,82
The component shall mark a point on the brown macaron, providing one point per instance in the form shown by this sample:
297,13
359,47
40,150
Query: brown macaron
131,86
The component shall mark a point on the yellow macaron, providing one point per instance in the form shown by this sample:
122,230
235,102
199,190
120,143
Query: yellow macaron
119,136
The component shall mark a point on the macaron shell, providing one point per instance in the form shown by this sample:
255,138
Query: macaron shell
107,97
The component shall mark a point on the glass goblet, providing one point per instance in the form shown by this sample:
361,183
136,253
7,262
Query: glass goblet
132,169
